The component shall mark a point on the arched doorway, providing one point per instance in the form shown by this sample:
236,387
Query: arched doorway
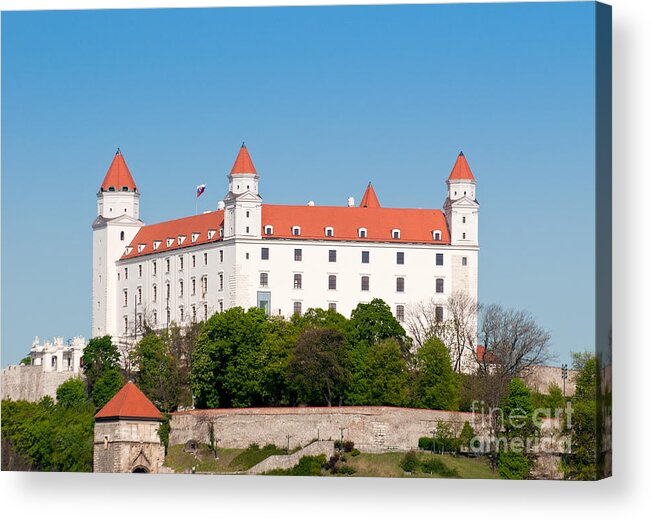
140,469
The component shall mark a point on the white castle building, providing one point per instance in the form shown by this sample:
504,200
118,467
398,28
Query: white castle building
284,259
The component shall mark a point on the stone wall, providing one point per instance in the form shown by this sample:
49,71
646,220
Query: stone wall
326,448
30,383
373,429
540,378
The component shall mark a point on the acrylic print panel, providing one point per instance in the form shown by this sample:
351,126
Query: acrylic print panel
362,241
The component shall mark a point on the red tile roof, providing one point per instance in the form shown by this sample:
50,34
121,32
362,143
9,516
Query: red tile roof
485,357
243,163
129,402
461,170
118,175
369,200
180,231
415,225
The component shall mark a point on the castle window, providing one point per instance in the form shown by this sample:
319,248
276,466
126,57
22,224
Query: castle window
140,321
296,231
139,270
181,239
205,259
247,229
361,232
247,213
125,188
126,273
181,263
463,219
298,281
140,247
298,307
180,288
155,317
170,241
436,235
194,313
438,313
400,312
211,233
139,295
400,284
464,235
264,279
365,283
193,285
195,236
205,311
400,257
167,315
332,282
332,255
298,255
167,291
154,292
264,253
439,285
329,232
126,324
153,265
464,260
221,281
332,306
221,255
221,231
121,235
111,188
167,265
118,276
204,286
194,261
156,244
181,313
365,257
268,230
395,234
221,305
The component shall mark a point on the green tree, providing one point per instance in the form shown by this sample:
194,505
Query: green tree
581,427
387,374
107,386
321,318
227,368
317,369
71,393
466,436
155,371
437,385
279,340
27,360
100,355
373,322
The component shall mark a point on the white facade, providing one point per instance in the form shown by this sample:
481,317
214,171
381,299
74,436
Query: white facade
58,356
283,273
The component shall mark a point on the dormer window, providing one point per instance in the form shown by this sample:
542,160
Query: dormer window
111,188
156,244
436,234
125,188
195,236
128,250
296,231
211,233
170,241
268,230
221,232
361,232
140,247
329,231
395,234
181,239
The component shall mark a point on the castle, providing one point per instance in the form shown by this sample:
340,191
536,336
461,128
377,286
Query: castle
281,258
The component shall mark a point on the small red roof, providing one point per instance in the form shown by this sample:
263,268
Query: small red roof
484,356
118,175
129,402
243,163
461,170
369,200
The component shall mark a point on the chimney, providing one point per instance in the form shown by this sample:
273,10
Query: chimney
351,202
220,205
310,203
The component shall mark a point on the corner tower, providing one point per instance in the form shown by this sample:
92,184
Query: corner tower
461,206
117,222
243,204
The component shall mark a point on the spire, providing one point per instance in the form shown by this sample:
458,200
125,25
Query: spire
118,175
243,163
369,199
129,402
461,170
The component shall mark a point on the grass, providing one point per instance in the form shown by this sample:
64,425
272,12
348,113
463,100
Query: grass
254,455
204,461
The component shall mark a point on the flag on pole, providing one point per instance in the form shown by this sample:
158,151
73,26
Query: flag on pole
200,189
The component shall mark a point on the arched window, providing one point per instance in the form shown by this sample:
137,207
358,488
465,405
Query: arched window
365,283
400,312
332,282
298,281
361,232
121,235
400,284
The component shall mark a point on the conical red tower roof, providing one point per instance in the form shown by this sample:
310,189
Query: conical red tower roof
243,163
369,200
129,402
118,175
461,170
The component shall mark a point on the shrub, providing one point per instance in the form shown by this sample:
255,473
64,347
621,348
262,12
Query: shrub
425,443
308,466
438,467
346,470
348,446
410,462
354,452
331,465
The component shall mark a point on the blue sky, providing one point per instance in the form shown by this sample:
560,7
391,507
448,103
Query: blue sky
326,99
